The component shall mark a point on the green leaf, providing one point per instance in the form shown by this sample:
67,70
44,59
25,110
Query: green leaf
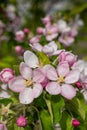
46,120
5,101
43,58
78,9
57,106
76,107
65,122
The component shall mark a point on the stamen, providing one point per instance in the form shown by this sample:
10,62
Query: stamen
61,79
28,82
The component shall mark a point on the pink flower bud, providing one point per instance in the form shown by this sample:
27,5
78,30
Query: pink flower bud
67,56
40,30
75,122
26,30
19,50
21,121
78,85
2,126
19,36
6,74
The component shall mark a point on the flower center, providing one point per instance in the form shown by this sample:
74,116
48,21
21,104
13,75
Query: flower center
49,32
60,79
28,82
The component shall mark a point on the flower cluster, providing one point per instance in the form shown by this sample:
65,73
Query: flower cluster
47,73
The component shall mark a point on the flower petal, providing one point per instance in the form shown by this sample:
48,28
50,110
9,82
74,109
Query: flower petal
68,91
17,84
38,76
63,68
37,90
4,94
36,46
72,77
31,59
25,71
53,88
50,72
26,96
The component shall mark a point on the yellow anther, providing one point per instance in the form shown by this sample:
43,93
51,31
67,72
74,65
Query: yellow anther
49,33
28,82
61,79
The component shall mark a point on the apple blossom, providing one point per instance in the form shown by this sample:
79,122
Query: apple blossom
19,36
51,32
21,121
62,26
28,84
61,80
67,56
6,75
66,39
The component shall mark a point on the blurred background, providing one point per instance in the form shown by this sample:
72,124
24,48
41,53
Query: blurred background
16,15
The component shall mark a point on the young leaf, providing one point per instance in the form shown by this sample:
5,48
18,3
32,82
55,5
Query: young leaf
57,106
46,120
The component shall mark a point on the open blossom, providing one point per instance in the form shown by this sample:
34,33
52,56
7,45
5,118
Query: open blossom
51,32
21,121
61,80
51,49
28,84
3,126
67,56
82,66
6,74
19,36
66,39
62,26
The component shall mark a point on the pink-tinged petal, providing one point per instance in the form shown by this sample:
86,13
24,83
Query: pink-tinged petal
85,95
37,90
50,47
26,96
50,72
25,71
68,91
17,84
46,49
36,46
49,38
53,88
63,68
31,59
72,77
4,94
53,45
38,76
80,64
